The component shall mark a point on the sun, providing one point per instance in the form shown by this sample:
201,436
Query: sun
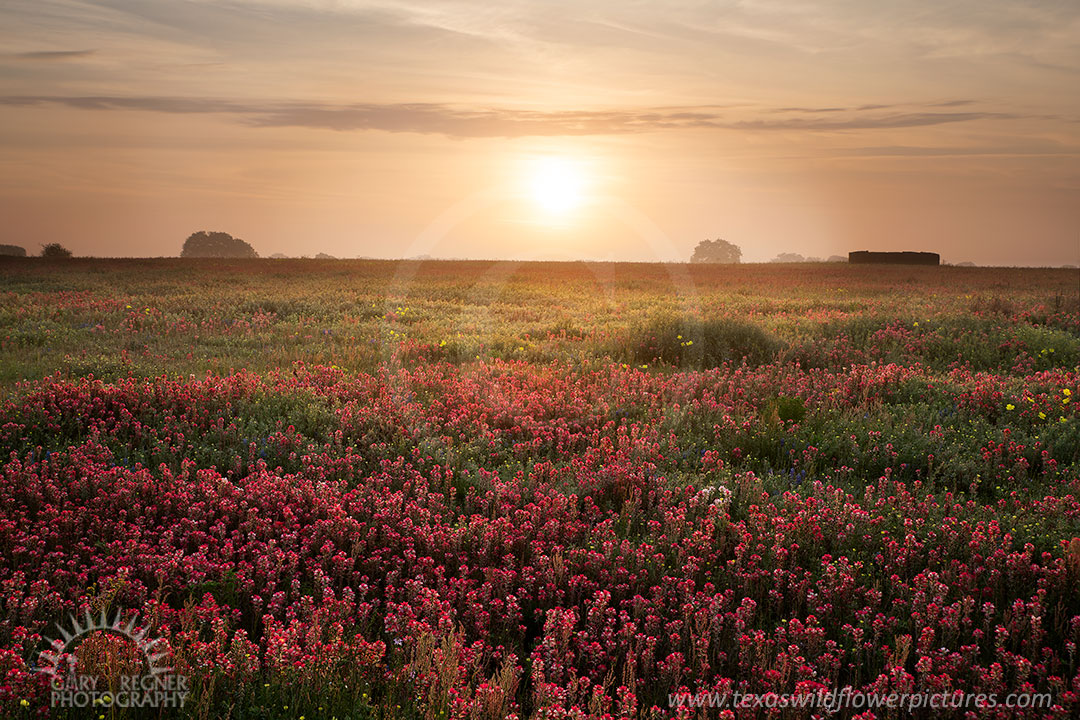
557,185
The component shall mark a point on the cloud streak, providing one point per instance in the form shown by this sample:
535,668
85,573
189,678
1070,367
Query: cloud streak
52,55
463,122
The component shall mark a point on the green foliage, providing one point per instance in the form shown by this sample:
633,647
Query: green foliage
788,409
689,341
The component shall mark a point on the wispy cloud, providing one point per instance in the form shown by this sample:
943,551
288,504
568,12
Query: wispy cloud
463,122
870,122
48,55
1021,149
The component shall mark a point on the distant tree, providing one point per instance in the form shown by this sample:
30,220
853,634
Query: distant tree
324,256
205,244
716,251
814,260
54,251
12,251
788,258
836,258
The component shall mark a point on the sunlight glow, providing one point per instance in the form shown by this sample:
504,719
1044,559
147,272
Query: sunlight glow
557,185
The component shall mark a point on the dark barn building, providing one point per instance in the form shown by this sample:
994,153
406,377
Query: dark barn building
894,258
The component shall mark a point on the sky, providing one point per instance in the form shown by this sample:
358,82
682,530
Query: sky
606,130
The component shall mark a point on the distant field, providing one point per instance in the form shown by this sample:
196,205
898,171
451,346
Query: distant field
470,489
152,317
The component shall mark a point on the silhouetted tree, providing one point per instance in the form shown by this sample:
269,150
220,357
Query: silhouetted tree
205,244
716,251
12,251
55,250
788,258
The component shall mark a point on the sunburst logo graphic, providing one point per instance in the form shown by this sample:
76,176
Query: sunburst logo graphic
155,686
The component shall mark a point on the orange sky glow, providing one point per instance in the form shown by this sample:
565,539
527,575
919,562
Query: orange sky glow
544,130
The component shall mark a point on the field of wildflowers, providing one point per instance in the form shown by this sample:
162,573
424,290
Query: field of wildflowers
481,490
